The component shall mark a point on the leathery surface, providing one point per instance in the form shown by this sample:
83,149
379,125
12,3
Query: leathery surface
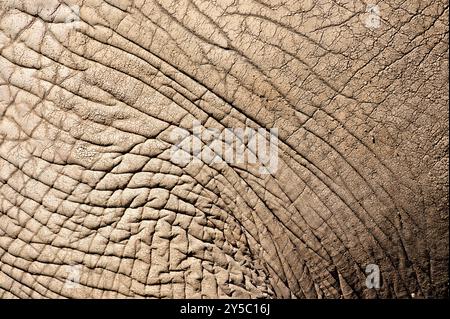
88,185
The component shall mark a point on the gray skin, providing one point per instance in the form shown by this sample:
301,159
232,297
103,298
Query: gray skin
93,206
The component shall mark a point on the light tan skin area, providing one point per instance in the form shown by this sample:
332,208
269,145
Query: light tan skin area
86,178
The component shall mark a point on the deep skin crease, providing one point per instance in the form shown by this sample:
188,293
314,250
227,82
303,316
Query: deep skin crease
93,206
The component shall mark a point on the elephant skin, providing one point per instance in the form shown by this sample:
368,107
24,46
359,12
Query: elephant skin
93,204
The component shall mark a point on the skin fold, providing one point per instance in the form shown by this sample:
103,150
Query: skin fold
92,205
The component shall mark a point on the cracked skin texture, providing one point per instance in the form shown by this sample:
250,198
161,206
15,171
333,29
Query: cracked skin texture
86,177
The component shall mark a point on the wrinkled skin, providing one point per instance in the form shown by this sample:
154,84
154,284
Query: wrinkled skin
86,179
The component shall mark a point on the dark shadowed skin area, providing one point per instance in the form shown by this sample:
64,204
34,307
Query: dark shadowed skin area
88,184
